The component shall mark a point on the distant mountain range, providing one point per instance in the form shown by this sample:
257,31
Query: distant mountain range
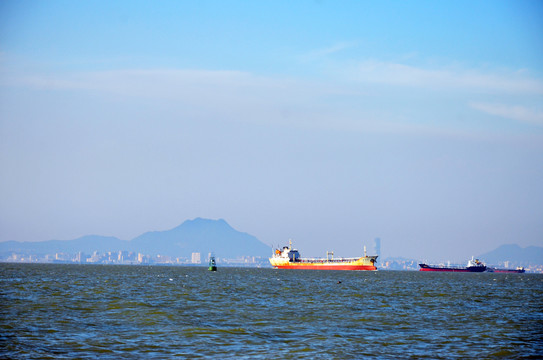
211,236
514,253
198,235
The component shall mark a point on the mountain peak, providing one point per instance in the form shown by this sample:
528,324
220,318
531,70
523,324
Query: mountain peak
201,235
203,222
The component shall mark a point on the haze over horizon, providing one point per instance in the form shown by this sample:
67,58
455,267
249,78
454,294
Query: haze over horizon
331,123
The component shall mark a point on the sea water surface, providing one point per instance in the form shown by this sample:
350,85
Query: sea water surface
107,311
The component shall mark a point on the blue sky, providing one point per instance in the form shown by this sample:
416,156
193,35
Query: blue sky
328,122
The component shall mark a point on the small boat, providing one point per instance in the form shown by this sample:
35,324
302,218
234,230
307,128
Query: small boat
474,265
518,270
212,264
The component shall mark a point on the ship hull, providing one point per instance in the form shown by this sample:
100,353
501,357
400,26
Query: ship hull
424,267
507,271
327,267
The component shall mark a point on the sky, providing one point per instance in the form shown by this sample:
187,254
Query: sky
330,123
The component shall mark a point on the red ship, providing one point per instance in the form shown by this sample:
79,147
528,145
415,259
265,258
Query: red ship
474,265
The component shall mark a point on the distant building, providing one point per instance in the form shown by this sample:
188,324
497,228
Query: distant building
163,259
122,257
143,259
196,258
62,257
378,247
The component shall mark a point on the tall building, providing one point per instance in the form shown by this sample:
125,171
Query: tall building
143,258
123,255
378,248
196,258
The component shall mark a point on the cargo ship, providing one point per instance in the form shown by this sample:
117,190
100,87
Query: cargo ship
474,265
518,270
289,258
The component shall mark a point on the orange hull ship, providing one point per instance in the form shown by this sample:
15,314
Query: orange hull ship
289,258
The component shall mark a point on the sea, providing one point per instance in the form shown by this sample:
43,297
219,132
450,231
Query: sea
56,311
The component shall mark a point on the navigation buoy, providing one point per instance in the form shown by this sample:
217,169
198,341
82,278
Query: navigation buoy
212,264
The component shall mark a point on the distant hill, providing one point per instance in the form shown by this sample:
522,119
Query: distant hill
514,253
87,244
198,235
203,236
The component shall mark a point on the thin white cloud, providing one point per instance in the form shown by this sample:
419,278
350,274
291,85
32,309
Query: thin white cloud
443,79
228,95
336,48
324,52
517,113
135,82
172,82
333,103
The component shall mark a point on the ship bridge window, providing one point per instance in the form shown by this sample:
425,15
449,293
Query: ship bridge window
294,255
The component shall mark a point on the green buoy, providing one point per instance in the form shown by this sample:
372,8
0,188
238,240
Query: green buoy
212,264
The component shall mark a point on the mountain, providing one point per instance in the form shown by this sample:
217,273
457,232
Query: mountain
514,253
203,236
87,244
198,235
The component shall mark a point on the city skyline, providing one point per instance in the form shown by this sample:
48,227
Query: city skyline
420,123
103,250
